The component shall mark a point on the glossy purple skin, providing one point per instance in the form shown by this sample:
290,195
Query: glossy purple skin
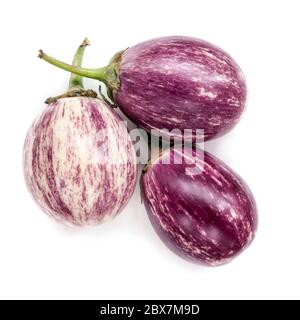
207,218
181,83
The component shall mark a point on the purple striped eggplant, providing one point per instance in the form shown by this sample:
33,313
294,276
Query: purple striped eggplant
79,161
209,217
174,83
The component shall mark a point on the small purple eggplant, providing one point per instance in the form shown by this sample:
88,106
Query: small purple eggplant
79,161
208,218
174,83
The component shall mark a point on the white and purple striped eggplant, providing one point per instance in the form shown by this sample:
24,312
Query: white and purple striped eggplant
208,218
79,161
174,83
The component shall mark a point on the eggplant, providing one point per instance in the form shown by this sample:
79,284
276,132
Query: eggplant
171,84
208,217
79,161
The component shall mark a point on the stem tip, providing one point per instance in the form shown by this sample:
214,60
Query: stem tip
41,54
85,42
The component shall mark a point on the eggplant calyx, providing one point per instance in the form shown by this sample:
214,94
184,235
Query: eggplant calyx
73,92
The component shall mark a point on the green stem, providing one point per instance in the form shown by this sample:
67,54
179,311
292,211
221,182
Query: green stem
76,80
109,74
76,88
99,74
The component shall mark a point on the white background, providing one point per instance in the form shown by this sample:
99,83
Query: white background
124,258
